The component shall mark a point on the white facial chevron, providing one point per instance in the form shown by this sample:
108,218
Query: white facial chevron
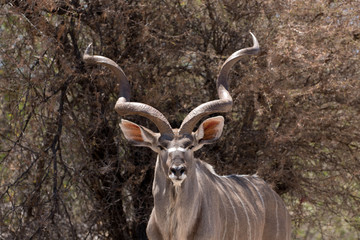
173,149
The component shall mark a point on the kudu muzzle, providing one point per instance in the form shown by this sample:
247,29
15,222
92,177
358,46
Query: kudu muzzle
177,169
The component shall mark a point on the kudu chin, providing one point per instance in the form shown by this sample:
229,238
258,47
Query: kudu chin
190,200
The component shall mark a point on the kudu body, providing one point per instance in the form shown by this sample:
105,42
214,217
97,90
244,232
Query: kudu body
190,200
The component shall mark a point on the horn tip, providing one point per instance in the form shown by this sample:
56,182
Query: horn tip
255,42
87,50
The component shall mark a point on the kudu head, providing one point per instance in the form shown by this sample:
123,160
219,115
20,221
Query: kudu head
175,147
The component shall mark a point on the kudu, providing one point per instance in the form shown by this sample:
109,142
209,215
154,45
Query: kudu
190,200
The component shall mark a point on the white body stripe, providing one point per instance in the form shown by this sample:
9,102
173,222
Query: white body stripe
257,190
249,231
233,207
277,216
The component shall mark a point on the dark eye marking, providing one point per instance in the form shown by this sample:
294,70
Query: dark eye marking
186,143
161,147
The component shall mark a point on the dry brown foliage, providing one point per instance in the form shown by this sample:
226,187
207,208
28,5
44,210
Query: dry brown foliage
67,173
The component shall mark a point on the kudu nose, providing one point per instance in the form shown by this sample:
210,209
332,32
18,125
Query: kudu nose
178,170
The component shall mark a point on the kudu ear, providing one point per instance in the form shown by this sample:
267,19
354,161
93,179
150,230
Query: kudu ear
209,131
138,135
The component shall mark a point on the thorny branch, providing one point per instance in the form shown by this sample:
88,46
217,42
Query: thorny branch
56,148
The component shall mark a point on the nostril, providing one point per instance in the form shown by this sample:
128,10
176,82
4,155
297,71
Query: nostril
173,170
178,170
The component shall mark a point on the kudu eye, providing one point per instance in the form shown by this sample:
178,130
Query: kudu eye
161,147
